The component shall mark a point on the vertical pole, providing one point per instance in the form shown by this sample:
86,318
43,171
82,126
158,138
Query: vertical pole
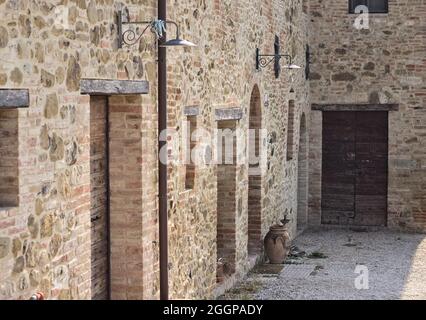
162,167
277,52
120,29
108,194
257,59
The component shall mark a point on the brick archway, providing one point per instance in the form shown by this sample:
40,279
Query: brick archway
302,177
255,176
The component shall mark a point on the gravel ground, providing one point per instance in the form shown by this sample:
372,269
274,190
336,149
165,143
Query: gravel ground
396,268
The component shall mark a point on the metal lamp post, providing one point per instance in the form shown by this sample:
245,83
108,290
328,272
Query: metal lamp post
130,37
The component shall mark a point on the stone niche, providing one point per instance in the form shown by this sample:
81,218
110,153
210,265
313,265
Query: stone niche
226,200
10,101
9,181
117,265
116,197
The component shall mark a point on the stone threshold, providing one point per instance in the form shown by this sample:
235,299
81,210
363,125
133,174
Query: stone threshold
14,98
352,228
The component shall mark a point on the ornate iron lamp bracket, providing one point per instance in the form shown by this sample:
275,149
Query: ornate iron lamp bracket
131,37
263,60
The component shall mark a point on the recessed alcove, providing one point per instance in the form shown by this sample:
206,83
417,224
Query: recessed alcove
11,100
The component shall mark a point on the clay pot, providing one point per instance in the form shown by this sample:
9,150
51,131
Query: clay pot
277,244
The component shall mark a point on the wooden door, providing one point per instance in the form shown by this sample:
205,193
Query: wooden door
371,150
355,165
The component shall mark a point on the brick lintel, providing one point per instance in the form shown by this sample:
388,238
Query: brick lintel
14,98
355,107
229,114
98,87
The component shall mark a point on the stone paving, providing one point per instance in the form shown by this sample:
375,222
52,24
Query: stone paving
341,264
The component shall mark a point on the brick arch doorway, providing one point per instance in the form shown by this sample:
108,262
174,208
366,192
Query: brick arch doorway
254,244
302,177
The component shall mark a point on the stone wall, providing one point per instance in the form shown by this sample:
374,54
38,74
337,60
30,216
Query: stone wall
45,242
382,64
227,34
47,47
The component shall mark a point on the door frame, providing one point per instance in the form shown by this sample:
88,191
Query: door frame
330,107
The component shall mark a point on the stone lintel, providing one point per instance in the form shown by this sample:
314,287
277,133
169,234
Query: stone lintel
191,111
355,107
101,87
14,98
224,114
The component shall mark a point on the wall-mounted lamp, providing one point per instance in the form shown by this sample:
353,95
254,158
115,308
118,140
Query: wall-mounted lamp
263,60
308,62
158,27
131,37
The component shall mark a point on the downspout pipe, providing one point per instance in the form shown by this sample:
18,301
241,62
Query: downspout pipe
162,167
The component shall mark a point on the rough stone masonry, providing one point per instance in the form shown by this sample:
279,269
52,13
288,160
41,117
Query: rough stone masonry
379,65
53,211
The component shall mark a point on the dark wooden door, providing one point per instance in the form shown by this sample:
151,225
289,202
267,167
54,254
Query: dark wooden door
371,152
355,168
338,167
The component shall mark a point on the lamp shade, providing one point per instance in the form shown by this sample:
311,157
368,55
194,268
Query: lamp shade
292,66
178,43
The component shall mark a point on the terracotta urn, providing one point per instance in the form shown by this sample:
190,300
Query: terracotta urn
277,243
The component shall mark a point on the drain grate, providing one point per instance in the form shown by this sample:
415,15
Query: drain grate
301,271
